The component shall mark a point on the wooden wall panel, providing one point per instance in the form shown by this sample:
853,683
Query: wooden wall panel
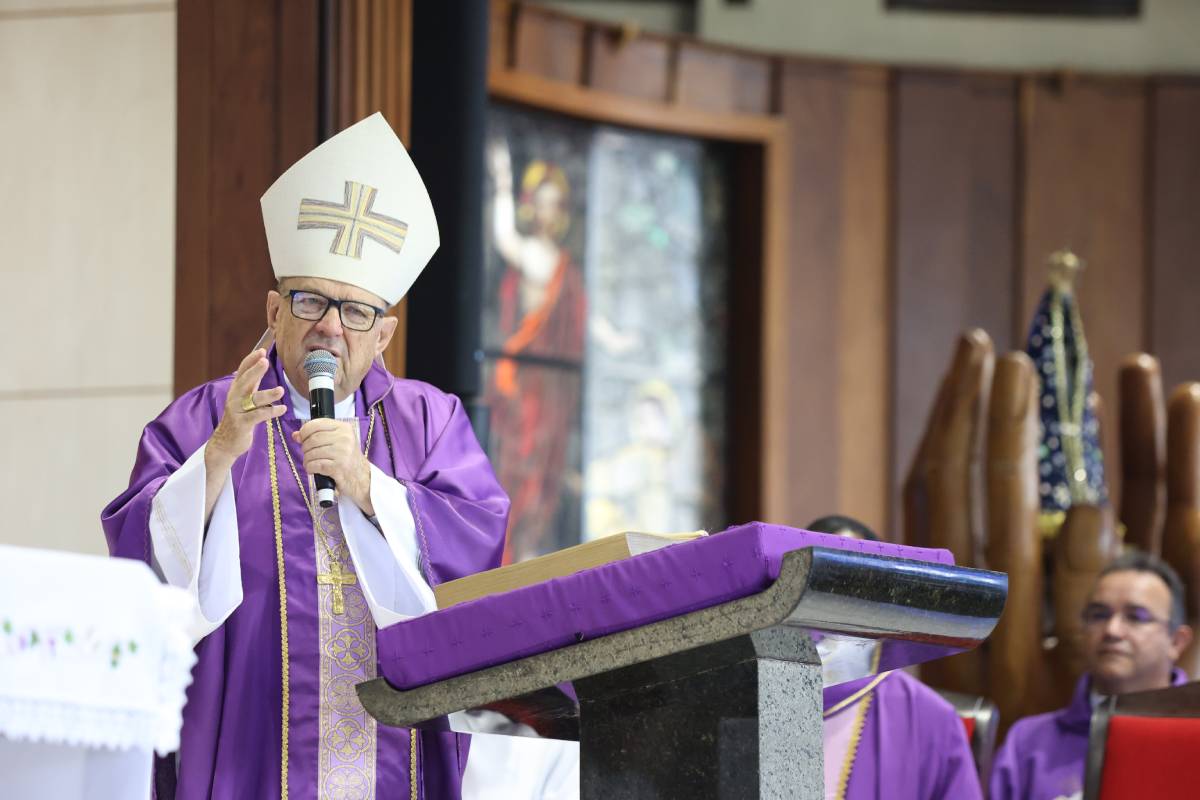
548,44
298,76
955,233
193,194
864,304
1174,312
247,105
243,132
639,67
1085,187
713,79
813,102
500,35
372,63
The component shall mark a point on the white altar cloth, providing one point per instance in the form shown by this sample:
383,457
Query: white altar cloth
95,661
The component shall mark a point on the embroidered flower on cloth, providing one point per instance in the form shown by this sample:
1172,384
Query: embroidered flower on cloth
348,649
63,642
346,783
347,739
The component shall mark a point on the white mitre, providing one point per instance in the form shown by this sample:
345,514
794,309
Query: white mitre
353,210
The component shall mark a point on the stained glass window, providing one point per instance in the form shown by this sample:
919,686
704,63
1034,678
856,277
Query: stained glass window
605,328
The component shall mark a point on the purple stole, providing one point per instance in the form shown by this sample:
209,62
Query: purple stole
346,643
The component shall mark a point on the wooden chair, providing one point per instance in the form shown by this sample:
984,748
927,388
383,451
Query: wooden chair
1145,744
981,719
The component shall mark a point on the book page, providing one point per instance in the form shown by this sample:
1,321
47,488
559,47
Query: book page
640,542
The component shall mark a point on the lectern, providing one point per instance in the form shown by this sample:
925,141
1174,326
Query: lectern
694,671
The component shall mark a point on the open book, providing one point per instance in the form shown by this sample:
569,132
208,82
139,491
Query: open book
555,565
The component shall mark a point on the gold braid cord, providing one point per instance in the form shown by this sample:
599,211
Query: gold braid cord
1070,408
865,693
852,750
412,761
283,625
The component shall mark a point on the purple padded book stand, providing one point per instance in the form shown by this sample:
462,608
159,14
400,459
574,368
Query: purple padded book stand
688,672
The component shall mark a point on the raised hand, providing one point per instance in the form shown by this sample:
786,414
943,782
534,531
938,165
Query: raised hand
1181,532
1014,545
1143,451
500,163
245,407
941,504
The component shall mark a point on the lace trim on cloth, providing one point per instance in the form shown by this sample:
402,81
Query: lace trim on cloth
66,722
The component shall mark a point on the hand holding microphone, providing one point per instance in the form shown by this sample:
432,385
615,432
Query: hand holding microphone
331,447
321,367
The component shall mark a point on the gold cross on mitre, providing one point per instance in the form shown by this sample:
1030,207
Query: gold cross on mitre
337,579
354,221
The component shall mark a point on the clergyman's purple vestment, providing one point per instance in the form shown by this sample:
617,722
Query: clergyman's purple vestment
1044,756
231,743
913,746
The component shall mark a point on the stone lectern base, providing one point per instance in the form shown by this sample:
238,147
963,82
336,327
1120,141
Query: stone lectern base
739,718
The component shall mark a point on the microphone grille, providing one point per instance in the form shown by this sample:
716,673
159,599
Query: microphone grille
320,364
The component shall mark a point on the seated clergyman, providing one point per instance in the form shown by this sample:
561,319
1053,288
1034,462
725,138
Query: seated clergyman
888,735
1133,635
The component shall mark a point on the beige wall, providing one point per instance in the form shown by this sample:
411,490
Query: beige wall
1166,37
87,182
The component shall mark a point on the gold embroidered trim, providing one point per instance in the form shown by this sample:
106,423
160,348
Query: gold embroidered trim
173,537
412,762
347,743
283,628
1070,409
860,720
849,701
855,736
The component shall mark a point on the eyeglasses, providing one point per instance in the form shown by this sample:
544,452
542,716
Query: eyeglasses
354,315
1096,614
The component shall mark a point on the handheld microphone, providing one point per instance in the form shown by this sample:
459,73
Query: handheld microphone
321,367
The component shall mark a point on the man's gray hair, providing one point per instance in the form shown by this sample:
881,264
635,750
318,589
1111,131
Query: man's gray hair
1140,561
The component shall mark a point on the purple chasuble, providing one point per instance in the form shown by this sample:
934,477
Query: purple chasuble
232,744
1044,756
912,745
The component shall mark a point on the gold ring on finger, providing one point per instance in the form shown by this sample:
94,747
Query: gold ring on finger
248,403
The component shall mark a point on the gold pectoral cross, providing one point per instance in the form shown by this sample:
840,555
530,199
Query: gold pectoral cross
337,579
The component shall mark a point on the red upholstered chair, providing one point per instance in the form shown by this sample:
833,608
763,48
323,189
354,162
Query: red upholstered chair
1145,744
981,720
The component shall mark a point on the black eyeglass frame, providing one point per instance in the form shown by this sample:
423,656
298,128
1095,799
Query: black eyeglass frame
331,303
1100,614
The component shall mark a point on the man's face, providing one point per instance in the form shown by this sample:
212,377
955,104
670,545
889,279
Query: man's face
295,337
1130,646
547,207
